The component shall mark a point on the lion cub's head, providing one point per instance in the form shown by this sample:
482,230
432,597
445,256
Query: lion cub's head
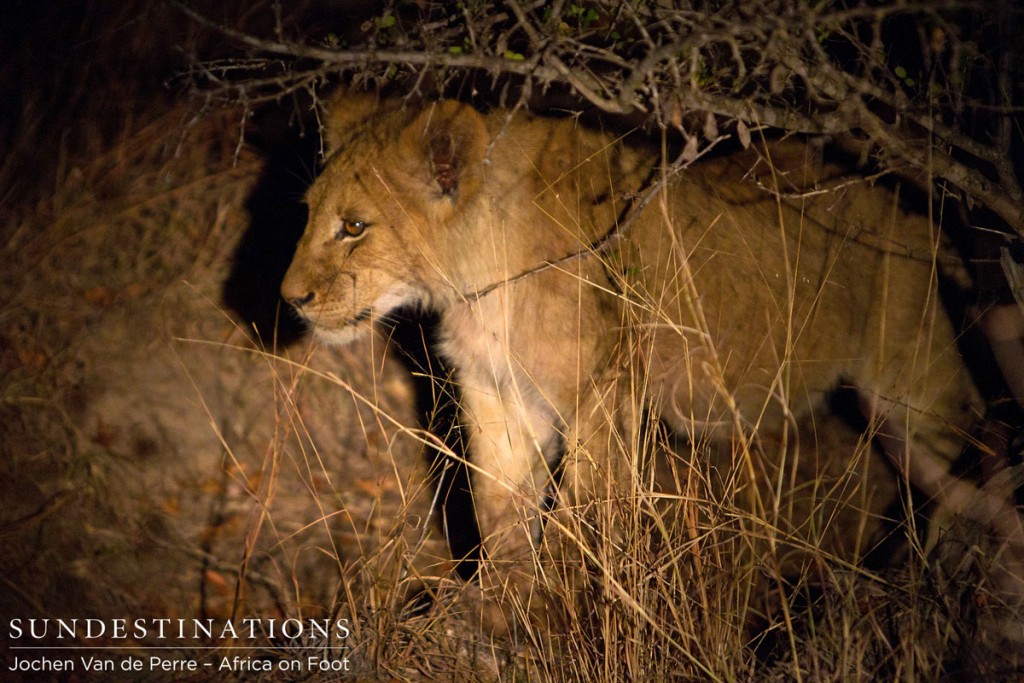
381,211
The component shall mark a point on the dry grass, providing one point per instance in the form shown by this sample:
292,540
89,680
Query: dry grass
157,462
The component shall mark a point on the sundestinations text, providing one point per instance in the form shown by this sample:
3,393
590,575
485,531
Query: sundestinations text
180,629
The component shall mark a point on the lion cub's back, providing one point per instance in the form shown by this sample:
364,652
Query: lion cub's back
762,284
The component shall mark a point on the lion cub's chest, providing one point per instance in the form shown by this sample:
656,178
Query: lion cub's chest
505,342
475,340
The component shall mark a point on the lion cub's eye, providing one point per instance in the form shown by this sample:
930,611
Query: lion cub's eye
350,229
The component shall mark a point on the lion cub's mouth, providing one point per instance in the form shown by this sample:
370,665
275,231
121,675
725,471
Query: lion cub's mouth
361,316
337,330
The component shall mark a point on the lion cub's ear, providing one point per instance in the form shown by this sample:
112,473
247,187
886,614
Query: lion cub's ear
346,108
448,141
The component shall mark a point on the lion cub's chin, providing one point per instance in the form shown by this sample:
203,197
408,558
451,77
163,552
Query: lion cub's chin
342,336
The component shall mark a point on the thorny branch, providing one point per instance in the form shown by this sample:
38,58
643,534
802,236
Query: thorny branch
930,85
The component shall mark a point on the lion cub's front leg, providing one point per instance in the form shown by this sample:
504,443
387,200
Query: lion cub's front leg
512,444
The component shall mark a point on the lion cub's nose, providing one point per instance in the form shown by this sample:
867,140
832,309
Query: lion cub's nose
300,301
297,299
295,290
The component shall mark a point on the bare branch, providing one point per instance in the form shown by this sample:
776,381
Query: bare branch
908,76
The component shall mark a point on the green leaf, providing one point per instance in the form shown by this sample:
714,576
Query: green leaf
900,72
514,56
455,50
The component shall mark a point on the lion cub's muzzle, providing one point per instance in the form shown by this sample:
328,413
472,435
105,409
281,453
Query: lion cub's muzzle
296,291
325,318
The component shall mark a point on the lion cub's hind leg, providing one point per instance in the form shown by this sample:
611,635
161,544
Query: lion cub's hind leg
921,443
922,406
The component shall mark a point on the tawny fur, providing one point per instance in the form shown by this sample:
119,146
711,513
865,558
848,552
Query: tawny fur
735,299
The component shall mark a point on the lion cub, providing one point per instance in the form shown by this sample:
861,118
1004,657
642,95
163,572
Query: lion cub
730,301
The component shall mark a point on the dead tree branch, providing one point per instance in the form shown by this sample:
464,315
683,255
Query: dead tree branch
932,85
